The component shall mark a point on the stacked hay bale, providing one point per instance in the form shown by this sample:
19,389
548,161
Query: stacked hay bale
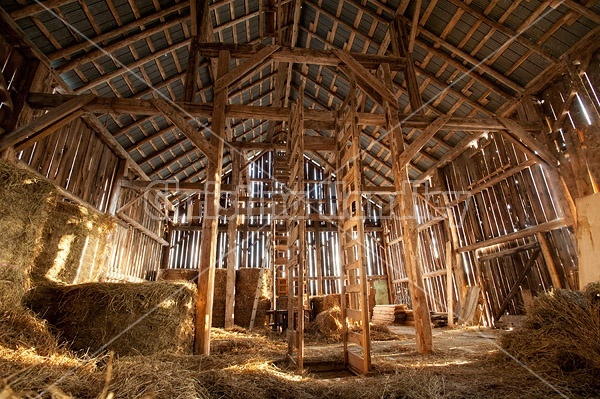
247,280
560,338
25,202
220,293
127,318
75,245
322,303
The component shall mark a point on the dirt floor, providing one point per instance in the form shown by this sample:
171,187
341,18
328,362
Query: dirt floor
467,363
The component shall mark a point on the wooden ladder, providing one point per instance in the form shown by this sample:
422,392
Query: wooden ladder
354,300
296,226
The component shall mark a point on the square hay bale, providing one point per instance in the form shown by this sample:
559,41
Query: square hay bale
245,290
128,318
218,318
25,201
75,244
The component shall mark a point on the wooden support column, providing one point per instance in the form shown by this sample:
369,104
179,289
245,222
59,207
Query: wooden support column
201,25
319,258
449,285
404,207
232,240
208,241
401,44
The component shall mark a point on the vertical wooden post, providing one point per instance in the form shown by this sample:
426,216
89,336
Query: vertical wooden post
449,285
405,210
319,258
208,240
232,239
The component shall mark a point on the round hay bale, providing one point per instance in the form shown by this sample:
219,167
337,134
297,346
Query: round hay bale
128,318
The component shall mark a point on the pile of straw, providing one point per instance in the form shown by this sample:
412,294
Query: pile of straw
561,337
132,318
20,329
327,326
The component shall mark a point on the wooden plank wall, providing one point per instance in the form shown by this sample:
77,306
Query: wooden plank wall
253,235
74,158
432,251
494,190
135,255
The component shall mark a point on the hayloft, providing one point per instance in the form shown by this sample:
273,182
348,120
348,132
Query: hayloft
251,197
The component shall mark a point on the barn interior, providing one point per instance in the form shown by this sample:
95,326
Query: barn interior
299,198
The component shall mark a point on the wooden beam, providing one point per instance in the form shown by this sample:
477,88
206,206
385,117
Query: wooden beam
241,70
113,144
35,127
404,207
535,146
232,241
314,119
549,260
582,10
143,229
301,55
110,49
509,252
208,241
37,7
363,77
414,26
113,33
529,231
516,285
194,135
420,141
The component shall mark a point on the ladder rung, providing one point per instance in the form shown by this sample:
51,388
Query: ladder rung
355,338
354,314
350,224
352,288
352,265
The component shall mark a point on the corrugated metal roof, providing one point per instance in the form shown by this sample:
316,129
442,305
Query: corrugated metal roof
320,28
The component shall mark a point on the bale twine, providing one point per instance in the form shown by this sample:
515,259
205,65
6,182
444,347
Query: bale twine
560,337
128,318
